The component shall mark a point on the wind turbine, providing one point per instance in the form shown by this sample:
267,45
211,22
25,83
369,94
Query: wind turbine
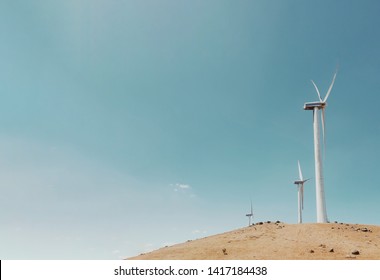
250,215
299,184
319,183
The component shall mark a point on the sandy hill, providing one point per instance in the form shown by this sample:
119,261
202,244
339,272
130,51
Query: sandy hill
271,241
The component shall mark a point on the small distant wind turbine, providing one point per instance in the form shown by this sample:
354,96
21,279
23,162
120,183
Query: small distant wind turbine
299,184
250,215
319,183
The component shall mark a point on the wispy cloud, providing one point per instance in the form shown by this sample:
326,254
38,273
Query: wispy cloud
183,190
198,231
180,187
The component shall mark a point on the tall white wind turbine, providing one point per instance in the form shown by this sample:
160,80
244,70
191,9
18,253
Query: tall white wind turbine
250,215
300,184
319,183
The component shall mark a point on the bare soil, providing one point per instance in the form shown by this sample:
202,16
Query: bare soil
280,241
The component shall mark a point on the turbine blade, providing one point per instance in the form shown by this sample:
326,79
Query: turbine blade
330,88
316,88
302,196
323,130
251,208
300,171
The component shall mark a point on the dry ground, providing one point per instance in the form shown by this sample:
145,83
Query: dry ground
279,241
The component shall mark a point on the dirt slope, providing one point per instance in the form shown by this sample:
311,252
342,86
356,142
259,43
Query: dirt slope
271,241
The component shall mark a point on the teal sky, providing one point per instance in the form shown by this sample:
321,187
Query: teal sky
126,126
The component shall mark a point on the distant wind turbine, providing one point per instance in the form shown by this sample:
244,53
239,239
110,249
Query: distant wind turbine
300,184
319,183
250,215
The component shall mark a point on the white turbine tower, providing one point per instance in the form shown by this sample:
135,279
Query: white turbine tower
250,215
300,184
319,184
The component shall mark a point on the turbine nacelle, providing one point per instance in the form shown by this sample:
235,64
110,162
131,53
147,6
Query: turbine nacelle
315,104
300,182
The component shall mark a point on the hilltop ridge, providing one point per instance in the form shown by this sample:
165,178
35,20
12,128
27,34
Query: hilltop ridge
279,241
